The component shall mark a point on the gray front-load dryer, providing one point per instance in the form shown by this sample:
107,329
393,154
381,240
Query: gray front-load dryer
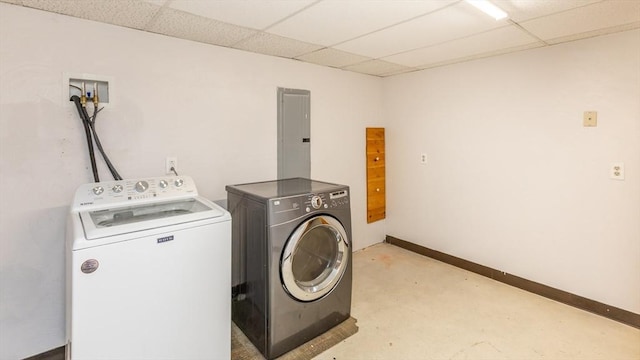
291,260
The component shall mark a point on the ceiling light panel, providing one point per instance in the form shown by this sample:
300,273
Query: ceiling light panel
488,8
520,10
255,14
593,17
334,21
447,24
490,41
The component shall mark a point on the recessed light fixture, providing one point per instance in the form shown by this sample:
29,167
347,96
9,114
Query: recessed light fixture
489,9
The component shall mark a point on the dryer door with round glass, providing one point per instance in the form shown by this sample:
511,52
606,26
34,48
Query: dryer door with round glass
314,258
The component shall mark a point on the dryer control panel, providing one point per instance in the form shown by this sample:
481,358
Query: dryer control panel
109,193
287,208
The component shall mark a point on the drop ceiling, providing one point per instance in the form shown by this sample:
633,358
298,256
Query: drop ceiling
375,37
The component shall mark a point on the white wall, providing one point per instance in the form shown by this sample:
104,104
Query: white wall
513,180
214,108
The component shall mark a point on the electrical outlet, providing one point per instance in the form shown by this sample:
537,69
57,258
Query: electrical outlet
616,171
423,159
171,162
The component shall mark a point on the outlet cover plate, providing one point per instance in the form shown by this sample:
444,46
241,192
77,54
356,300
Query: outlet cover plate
423,159
590,119
616,171
171,161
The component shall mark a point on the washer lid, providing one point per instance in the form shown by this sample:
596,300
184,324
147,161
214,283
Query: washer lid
121,220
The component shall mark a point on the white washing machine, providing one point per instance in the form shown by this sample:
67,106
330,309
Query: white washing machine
148,272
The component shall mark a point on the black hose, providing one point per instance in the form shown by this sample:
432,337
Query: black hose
87,131
92,123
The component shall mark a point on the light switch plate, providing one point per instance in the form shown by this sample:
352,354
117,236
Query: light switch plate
590,119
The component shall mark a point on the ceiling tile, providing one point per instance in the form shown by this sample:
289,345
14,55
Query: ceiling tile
333,21
482,55
596,16
495,40
269,44
377,67
399,71
520,10
129,13
255,14
403,35
197,28
332,57
447,24
588,34
158,2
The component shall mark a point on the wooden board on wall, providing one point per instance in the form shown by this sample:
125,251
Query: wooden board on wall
376,189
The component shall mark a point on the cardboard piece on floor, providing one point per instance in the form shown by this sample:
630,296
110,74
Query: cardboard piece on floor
243,349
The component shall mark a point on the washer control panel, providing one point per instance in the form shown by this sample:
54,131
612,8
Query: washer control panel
123,191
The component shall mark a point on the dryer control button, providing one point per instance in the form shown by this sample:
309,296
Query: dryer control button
163,183
307,209
117,188
98,190
316,202
178,182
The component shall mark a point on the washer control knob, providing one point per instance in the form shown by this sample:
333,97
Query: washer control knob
179,182
316,202
163,184
98,190
117,188
141,186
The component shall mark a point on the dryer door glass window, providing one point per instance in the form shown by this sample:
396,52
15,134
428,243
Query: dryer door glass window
315,258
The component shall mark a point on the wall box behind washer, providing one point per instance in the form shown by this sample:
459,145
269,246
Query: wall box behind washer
73,82
90,87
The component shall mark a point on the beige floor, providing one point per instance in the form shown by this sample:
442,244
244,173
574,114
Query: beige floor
412,307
